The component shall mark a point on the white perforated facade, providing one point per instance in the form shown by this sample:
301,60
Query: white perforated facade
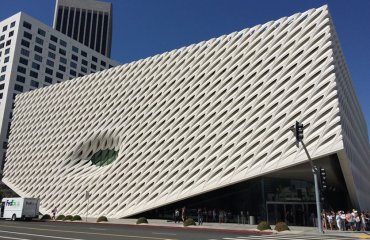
192,120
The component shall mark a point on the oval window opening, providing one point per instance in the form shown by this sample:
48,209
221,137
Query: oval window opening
104,157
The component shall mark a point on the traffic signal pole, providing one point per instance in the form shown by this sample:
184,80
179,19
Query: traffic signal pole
298,130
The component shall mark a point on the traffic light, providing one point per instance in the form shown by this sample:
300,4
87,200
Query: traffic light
323,179
298,131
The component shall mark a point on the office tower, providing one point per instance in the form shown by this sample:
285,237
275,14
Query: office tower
87,21
34,55
205,125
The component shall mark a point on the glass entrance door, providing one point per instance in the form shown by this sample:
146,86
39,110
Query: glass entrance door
293,213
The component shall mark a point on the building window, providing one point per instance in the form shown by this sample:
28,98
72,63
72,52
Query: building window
2,37
7,51
94,59
75,58
73,65
20,79
23,61
93,66
83,69
59,75
49,71
5,28
12,24
62,51
3,44
6,59
1,95
53,38
34,74
38,58
83,53
25,52
2,77
72,72
34,84
41,32
11,34
27,35
48,79
18,88
74,49
35,66
51,55
50,63
62,68
8,42
25,43
39,41
3,69
52,47
103,63
2,86
63,43
27,25
63,60
21,69
84,62
38,49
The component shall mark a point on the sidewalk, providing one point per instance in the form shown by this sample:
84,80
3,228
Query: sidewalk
232,227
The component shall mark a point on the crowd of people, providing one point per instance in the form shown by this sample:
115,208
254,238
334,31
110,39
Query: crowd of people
345,221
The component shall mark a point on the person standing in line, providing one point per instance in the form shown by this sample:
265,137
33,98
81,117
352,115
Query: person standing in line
177,216
54,212
337,218
200,216
183,213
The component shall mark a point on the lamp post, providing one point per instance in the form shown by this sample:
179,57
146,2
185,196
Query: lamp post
298,130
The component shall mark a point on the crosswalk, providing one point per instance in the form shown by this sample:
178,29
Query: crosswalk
291,237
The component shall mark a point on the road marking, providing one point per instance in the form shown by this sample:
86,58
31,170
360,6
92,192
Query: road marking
103,229
291,236
162,233
38,235
89,233
14,238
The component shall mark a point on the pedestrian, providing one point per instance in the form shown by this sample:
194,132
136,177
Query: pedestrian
54,212
200,216
337,218
177,216
183,213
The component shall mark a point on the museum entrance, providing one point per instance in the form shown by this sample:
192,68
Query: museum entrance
293,213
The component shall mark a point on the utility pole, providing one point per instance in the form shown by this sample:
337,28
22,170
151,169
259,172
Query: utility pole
298,130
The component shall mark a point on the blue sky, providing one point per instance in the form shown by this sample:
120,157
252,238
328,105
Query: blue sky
142,28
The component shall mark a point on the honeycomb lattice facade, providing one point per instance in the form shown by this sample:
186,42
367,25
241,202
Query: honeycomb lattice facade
191,120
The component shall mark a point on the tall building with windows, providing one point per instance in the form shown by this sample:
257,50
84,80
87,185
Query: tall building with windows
34,55
87,21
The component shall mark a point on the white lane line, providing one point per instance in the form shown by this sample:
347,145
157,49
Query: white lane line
38,235
14,238
103,229
162,233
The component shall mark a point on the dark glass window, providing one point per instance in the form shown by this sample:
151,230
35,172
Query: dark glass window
2,45
48,79
27,25
59,18
12,24
21,69
34,84
49,71
93,30
38,58
93,66
62,43
73,65
94,58
25,52
38,49
2,77
51,55
25,43
74,57
82,27
2,37
52,47
49,63
72,72
62,51
59,75
88,25
99,32
53,38
35,66
83,69
20,79
6,59
62,68
63,60
8,42
70,23
11,34
5,28
103,63
6,51
34,74
23,61
27,35
84,62
41,32
39,41
65,19
83,53
3,69
18,88
104,35
77,23
74,49
2,86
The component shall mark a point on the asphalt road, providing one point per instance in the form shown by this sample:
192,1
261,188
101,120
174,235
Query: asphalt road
89,231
